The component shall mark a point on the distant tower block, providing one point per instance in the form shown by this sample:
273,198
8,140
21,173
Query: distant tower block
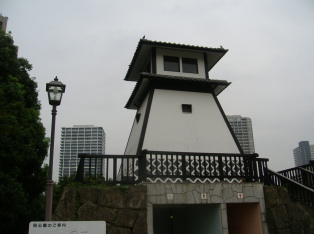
175,101
81,139
3,23
303,154
242,127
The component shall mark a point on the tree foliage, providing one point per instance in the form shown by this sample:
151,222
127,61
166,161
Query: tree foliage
23,146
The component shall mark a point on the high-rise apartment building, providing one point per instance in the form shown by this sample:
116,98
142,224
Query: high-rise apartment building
80,139
303,154
3,22
242,127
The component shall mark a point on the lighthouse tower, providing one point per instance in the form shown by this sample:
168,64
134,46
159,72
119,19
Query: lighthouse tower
177,109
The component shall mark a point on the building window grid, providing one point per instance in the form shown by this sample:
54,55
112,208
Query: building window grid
79,139
242,129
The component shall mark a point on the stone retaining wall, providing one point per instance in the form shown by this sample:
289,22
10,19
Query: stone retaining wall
284,216
123,209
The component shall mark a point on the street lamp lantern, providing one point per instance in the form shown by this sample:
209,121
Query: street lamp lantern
55,90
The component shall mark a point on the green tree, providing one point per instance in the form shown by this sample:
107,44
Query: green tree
23,146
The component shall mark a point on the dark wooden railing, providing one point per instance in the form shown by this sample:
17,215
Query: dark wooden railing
159,166
303,175
154,166
297,191
112,166
200,167
310,166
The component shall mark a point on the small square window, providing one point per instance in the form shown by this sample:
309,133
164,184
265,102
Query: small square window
171,63
189,65
186,108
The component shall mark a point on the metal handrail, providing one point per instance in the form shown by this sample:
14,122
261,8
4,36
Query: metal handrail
302,175
298,192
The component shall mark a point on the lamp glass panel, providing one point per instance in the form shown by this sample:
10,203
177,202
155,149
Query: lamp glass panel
55,93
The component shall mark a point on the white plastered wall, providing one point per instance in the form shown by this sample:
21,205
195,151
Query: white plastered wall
204,130
179,53
135,134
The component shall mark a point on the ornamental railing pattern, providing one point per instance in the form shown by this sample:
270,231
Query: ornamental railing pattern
161,166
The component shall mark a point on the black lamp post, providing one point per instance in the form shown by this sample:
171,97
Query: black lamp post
55,90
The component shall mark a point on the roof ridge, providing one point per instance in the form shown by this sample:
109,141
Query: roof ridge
181,44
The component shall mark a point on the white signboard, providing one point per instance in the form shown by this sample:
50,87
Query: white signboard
62,227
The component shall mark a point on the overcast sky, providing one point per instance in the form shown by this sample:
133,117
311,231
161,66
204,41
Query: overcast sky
89,45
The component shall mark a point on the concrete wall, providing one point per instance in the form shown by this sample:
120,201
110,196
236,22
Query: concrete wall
221,194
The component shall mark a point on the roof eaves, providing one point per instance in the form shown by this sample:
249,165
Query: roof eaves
150,75
134,91
136,53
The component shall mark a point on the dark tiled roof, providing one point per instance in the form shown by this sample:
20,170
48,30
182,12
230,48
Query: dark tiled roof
182,46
